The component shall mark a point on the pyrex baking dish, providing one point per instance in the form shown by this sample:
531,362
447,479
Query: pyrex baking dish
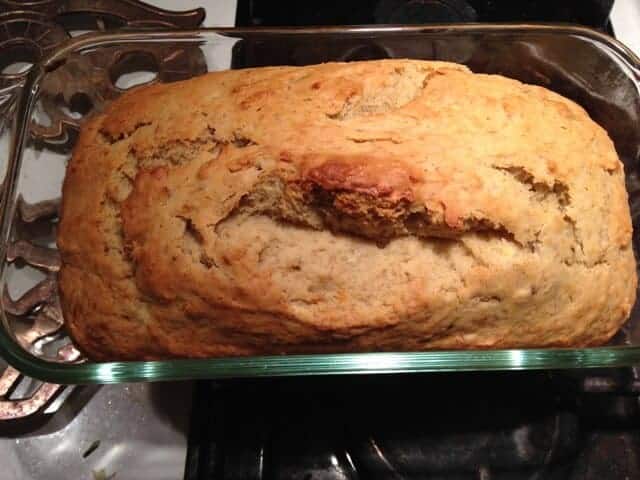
585,65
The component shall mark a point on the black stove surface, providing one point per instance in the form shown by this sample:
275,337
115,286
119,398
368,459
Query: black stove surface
504,426
593,13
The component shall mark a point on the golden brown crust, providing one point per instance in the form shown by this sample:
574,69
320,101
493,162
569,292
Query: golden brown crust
387,205
389,179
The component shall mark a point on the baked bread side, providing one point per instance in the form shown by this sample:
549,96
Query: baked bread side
366,206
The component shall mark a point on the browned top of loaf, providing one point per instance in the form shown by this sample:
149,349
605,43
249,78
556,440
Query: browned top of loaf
393,151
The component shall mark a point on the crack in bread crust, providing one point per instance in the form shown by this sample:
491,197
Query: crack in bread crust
360,213
387,205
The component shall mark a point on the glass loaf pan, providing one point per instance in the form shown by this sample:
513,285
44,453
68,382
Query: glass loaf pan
591,68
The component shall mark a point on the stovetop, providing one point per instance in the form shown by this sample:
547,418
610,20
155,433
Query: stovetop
498,426
593,13
517,425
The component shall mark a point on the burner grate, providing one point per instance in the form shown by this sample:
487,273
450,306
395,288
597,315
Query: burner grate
85,83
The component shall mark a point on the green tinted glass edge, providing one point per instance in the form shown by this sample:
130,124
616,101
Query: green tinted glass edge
305,365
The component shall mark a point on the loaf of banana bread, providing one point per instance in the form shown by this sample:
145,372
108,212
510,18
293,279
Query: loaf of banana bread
344,207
